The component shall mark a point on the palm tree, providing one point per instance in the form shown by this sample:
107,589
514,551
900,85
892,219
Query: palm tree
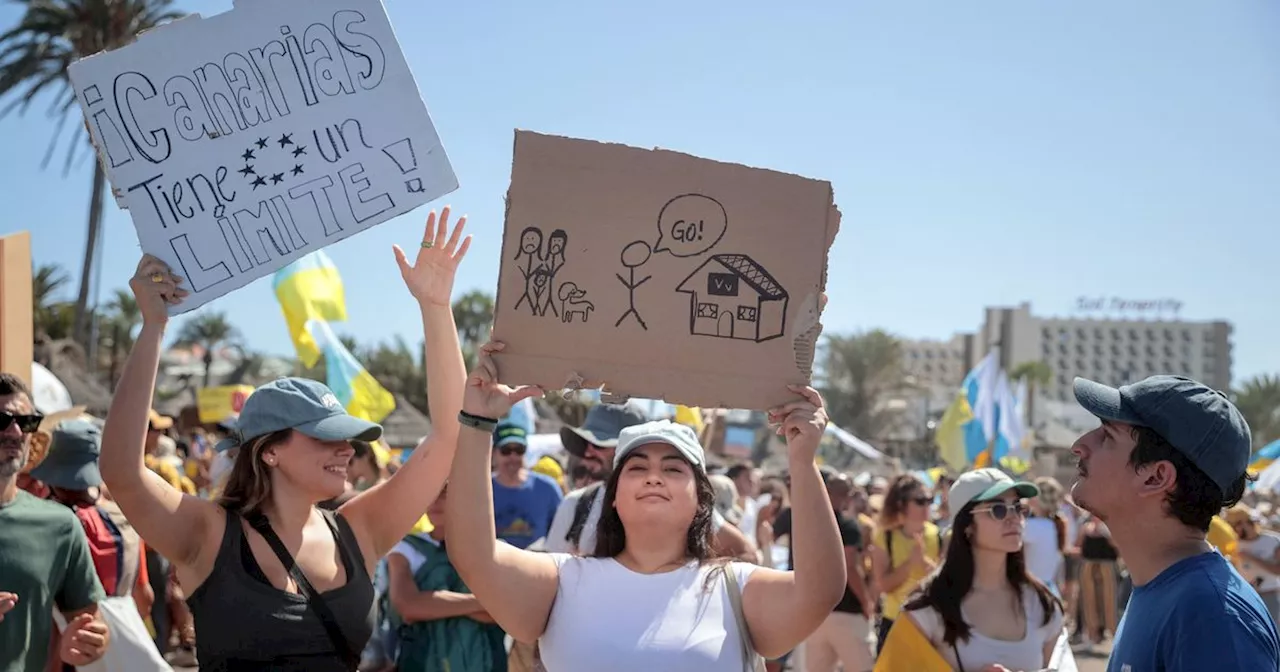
1037,374
859,371
34,56
49,316
124,315
400,370
209,332
1259,401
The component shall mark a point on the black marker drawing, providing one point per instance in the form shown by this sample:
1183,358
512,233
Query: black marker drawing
402,154
261,143
731,296
552,262
634,256
285,140
690,224
573,302
531,250
299,150
342,142
246,171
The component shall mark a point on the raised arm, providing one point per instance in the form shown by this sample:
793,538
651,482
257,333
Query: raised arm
174,524
516,586
385,513
783,608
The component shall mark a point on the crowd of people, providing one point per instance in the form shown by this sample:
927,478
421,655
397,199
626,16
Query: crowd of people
287,538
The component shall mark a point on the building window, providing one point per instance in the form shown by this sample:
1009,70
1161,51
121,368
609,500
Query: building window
1097,349
1168,334
1081,333
1115,333
1097,333
1186,335
1133,334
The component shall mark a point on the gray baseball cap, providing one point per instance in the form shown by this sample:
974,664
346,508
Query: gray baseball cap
1197,420
72,462
299,404
603,425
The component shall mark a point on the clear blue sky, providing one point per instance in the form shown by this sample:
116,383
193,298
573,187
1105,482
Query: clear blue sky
982,153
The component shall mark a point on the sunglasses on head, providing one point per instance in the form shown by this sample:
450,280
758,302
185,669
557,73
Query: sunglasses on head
512,449
26,423
1001,510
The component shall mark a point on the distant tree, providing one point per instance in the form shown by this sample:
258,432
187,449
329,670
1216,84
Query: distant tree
210,332
858,373
1259,401
52,318
1037,374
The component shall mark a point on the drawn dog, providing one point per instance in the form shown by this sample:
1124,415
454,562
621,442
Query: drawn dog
572,301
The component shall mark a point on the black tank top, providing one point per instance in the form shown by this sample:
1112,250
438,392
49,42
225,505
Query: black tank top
247,625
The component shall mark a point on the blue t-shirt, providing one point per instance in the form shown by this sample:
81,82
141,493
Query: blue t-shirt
1197,616
523,515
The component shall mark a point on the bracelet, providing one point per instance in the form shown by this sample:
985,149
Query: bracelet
477,422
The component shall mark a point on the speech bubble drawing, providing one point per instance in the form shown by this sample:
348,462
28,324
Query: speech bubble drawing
690,224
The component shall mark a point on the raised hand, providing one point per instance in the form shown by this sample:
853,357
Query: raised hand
485,396
156,288
430,278
802,423
7,602
84,640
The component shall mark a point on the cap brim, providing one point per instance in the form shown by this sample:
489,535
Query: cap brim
341,428
1023,489
1103,401
685,452
68,476
575,440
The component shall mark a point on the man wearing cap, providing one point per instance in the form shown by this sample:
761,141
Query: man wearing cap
1170,454
524,503
44,558
71,471
595,443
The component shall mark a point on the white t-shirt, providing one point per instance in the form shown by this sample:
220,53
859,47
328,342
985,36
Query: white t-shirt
607,617
981,651
556,542
411,554
1263,547
1040,548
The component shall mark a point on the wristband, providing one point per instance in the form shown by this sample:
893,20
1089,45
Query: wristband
477,422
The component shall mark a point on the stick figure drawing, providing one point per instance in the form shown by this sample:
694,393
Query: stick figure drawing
530,248
634,256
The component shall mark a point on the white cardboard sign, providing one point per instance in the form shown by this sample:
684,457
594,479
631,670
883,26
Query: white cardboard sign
242,141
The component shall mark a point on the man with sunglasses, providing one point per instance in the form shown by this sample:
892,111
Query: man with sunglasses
524,501
44,558
1170,453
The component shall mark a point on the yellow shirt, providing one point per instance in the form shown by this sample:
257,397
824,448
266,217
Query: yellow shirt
1222,537
894,600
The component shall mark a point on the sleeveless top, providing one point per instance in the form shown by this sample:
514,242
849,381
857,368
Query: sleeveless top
247,625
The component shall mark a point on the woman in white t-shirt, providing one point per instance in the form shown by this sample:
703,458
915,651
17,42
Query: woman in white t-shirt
652,597
1045,534
982,608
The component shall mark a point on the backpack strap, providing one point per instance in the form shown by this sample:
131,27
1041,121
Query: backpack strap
260,523
581,510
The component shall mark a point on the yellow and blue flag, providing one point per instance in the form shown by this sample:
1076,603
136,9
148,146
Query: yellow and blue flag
950,435
356,389
1264,457
309,289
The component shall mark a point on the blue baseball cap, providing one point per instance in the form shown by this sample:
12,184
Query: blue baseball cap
72,461
1197,420
603,425
509,431
299,404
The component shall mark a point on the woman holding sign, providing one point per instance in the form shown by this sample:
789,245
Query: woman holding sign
274,582
652,597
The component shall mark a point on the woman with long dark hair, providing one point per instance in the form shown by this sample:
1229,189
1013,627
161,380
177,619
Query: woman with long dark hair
905,548
274,582
653,596
982,608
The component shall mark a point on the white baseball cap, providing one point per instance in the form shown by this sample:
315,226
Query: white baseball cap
672,434
984,485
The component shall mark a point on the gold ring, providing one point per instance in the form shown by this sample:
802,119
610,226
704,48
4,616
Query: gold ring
427,244
157,277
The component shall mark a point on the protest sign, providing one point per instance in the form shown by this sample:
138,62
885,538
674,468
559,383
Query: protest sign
242,141
660,275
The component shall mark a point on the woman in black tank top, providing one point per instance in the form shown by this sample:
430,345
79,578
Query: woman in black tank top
255,606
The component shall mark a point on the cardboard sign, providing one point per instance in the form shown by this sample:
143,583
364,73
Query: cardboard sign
243,141
216,404
660,275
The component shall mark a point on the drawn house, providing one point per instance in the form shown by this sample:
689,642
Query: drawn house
731,296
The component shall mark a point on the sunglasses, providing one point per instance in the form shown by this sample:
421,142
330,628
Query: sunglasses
922,500
1001,510
512,450
26,423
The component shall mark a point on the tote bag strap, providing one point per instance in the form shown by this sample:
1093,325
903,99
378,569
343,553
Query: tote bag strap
751,661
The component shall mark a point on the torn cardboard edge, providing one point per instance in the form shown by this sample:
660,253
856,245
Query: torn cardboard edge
521,369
